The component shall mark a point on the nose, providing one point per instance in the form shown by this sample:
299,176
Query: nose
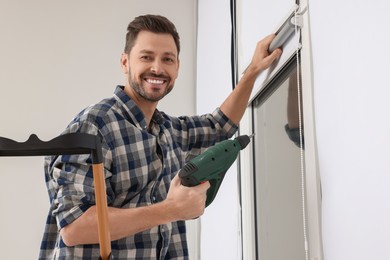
157,67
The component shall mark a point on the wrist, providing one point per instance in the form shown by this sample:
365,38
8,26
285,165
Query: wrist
167,210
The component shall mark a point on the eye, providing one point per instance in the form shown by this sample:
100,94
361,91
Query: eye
146,58
169,60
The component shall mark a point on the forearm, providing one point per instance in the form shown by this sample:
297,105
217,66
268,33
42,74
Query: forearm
236,103
182,203
122,222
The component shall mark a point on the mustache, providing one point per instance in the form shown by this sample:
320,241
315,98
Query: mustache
154,75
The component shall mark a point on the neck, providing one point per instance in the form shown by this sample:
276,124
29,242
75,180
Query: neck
147,107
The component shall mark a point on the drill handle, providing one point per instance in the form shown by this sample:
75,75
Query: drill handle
215,184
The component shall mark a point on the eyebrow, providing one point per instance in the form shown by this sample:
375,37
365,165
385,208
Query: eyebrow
169,53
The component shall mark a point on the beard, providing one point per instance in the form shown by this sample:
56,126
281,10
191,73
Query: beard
156,95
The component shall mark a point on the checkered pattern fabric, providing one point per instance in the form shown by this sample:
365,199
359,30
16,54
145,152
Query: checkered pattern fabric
139,163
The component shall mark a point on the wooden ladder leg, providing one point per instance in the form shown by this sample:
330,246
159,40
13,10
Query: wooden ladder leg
102,211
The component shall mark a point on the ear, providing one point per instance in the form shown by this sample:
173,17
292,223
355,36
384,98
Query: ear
125,63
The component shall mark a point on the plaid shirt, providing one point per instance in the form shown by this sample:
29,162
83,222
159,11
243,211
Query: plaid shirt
139,164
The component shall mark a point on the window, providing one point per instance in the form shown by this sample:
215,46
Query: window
278,170
280,185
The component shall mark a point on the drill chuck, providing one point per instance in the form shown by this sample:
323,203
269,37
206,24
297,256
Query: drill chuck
243,140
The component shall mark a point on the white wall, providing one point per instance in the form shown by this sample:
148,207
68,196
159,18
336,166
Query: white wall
350,63
220,223
56,58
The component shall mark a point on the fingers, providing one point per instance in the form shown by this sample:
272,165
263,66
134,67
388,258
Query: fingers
204,186
263,45
268,39
187,202
269,58
275,54
262,59
267,42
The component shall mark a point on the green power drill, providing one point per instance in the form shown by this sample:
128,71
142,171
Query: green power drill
212,165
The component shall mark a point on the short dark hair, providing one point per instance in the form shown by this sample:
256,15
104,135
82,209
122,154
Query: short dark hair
151,23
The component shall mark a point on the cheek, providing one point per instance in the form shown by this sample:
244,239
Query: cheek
174,74
133,71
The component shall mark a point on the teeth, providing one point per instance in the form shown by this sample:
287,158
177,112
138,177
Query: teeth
155,81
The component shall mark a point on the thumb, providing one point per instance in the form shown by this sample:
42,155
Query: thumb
176,180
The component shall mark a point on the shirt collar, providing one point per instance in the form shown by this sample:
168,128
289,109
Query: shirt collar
133,112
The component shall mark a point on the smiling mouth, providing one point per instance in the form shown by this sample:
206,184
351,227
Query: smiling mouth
155,81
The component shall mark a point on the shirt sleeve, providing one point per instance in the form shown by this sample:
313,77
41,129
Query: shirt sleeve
69,179
196,133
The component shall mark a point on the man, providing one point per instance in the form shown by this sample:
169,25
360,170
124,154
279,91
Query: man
143,150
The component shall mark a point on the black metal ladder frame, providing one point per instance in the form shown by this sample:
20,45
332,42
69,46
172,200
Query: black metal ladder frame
73,143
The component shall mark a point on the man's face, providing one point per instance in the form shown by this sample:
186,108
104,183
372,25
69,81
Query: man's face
151,67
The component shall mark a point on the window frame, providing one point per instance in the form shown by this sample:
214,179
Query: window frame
312,177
